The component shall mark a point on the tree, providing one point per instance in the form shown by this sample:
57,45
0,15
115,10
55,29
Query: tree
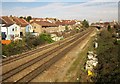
11,16
109,28
55,19
21,17
28,18
85,23
24,18
66,28
108,69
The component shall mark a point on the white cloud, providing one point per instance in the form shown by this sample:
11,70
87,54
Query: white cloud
105,0
75,11
59,0
26,0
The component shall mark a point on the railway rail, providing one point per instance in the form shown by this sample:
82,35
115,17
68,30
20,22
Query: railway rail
30,56
74,41
47,64
29,53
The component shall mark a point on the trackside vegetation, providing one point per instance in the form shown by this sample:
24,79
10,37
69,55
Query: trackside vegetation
108,69
29,42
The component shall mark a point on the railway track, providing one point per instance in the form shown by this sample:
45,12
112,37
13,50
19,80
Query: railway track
21,61
45,65
26,54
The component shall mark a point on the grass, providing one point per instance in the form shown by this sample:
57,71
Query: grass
118,41
78,65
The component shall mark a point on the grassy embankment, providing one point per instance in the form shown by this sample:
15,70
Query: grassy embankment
77,72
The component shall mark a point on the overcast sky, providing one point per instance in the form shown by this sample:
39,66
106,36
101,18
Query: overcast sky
92,10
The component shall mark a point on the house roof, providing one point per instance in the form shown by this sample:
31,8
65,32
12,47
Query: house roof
37,19
7,20
106,22
23,22
7,25
19,21
13,20
65,22
2,21
46,24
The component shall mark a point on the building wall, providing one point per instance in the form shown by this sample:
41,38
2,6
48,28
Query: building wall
13,31
61,28
3,30
36,28
22,29
53,29
29,28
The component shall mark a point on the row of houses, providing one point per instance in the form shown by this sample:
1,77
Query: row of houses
15,28
102,24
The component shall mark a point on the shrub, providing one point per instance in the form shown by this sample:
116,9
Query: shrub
85,24
108,69
13,48
45,38
17,47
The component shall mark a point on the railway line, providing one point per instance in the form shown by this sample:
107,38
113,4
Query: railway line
23,60
29,53
11,59
45,65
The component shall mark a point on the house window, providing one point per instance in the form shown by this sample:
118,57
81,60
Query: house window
21,34
4,35
13,29
34,27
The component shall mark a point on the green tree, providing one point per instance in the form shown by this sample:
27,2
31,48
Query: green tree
45,38
85,23
24,18
66,27
109,28
21,17
28,18
108,69
11,16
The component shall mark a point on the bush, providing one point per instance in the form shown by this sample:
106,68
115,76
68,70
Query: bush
105,41
109,28
26,44
45,38
13,48
85,24
108,69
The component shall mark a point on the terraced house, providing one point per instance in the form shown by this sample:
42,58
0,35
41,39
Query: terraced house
63,23
14,27
9,29
24,25
41,25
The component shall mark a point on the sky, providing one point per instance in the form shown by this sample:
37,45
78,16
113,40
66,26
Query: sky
92,10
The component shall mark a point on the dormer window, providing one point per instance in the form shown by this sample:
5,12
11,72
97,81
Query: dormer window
13,29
